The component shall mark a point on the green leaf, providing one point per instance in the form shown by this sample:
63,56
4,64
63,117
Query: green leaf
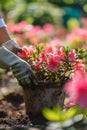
71,112
57,109
51,115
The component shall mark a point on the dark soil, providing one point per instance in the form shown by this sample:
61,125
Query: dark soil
12,111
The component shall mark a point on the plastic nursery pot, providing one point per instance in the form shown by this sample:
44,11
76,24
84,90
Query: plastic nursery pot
46,94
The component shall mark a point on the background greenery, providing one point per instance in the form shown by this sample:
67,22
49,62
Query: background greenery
39,11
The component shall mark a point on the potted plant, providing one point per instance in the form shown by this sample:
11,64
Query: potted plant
53,66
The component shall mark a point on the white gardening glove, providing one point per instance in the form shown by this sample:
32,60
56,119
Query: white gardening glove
21,69
12,46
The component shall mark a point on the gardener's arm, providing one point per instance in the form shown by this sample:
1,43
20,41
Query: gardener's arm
6,40
4,35
22,71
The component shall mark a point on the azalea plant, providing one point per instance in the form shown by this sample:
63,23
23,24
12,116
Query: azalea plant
50,62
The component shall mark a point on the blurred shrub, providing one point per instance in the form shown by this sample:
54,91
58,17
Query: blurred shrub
37,13
7,5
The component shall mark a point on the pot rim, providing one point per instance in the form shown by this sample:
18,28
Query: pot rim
49,84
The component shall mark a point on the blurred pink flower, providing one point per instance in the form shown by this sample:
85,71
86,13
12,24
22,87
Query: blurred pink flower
50,49
61,32
56,42
76,89
84,22
10,26
17,28
48,28
77,38
19,41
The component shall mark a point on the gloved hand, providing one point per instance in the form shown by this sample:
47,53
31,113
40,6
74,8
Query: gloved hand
12,46
21,69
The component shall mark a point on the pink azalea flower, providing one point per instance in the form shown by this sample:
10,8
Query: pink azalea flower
47,59
49,49
72,55
61,52
27,52
52,62
42,58
37,66
76,89
39,61
79,66
21,55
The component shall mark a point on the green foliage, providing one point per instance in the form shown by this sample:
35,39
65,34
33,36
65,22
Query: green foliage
58,115
68,2
78,3
82,53
7,5
17,11
71,119
37,13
